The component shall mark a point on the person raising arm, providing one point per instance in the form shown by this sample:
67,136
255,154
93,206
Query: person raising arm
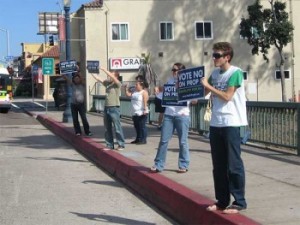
111,112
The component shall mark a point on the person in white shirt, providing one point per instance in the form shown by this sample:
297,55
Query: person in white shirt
226,85
178,118
140,111
78,104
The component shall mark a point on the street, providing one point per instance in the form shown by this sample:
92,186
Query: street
43,180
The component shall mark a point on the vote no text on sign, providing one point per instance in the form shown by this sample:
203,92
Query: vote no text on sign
170,96
93,66
68,67
189,84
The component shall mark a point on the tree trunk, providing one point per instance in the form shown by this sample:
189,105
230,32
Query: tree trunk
283,82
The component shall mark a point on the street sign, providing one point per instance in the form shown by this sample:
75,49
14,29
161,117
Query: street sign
93,66
34,67
9,58
48,66
68,67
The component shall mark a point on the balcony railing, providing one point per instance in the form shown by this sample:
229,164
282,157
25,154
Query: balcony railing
271,124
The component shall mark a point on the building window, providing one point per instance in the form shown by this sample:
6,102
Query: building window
166,31
120,32
245,75
278,75
203,30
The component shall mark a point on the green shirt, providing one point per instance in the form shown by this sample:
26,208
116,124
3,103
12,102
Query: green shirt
113,92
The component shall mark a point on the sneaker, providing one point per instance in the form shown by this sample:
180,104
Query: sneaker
159,127
233,209
120,148
89,134
78,134
141,143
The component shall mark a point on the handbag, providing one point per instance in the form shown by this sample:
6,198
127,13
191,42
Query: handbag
207,113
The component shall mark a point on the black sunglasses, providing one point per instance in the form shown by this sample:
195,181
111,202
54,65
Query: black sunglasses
174,70
217,55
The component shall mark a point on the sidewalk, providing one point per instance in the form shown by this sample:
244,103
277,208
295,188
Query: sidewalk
272,178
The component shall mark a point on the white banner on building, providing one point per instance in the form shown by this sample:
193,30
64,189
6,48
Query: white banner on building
125,63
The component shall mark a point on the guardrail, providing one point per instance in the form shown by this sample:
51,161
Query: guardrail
272,124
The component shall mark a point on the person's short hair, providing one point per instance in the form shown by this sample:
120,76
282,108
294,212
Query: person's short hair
179,65
142,81
225,47
76,75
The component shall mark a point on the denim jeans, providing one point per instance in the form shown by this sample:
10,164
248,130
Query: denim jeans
79,108
228,167
181,124
139,123
112,118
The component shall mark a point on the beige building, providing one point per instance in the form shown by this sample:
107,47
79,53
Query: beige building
32,55
117,33
179,31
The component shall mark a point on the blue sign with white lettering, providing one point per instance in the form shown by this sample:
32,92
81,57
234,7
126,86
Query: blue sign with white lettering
170,96
93,66
9,58
189,85
68,67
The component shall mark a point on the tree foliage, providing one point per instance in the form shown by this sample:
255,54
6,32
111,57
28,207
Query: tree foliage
265,28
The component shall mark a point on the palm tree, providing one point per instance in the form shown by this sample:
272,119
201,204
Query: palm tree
147,72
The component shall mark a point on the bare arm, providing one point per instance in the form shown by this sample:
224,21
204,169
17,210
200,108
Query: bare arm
225,95
145,101
158,89
111,75
127,92
97,78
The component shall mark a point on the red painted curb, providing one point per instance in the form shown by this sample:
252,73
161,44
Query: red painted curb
174,199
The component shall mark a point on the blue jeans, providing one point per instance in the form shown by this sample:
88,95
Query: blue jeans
112,118
79,108
139,123
181,124
228,167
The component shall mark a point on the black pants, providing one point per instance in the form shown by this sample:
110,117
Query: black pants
139,123
79,109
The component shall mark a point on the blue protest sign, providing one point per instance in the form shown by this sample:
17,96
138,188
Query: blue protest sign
68,67
170,96
189,85
93,66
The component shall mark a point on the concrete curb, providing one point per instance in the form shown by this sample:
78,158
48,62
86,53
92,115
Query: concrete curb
180,203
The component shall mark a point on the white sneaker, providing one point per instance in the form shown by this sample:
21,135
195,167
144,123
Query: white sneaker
120,148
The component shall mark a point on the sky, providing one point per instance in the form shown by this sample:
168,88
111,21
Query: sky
19,21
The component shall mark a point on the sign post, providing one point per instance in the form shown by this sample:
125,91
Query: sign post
48,69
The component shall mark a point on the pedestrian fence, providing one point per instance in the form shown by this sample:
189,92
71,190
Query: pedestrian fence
271,124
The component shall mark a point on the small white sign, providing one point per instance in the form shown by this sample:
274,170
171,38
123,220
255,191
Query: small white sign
125,63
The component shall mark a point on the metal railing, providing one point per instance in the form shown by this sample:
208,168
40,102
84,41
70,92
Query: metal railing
272,124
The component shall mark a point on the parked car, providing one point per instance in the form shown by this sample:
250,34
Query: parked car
5,90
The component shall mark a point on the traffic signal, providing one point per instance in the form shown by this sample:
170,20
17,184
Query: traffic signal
57,69
51,40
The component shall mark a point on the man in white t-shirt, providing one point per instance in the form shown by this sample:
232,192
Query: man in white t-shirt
226,85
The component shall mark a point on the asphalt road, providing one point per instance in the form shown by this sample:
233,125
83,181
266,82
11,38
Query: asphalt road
44,181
